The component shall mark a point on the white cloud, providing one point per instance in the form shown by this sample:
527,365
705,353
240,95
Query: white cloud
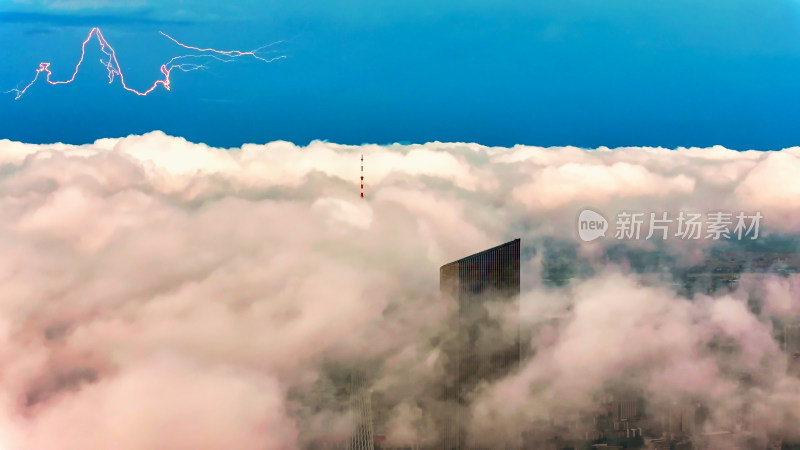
159,285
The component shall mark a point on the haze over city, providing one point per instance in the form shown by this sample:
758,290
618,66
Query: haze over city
402,225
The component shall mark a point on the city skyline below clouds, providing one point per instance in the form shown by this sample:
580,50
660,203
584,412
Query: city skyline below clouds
203,293
577,73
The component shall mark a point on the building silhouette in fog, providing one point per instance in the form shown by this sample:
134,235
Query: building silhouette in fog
361,412
792,347
468,283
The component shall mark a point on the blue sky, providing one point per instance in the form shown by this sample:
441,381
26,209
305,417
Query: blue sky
575,72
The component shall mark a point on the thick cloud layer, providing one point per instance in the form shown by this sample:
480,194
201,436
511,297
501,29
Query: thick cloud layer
164,294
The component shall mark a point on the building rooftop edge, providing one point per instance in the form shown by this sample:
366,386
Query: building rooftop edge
512,242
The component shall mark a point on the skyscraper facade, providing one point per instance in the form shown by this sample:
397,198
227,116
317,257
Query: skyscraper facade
469,283
361,411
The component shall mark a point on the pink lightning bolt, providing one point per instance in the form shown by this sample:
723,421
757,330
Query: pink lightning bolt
113,67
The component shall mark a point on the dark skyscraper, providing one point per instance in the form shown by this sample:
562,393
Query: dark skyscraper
470,282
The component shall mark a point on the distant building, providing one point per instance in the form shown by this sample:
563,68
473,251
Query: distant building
626,409
490,275
792,346
678,421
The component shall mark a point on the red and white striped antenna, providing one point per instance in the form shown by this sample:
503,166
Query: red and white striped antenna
362,176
